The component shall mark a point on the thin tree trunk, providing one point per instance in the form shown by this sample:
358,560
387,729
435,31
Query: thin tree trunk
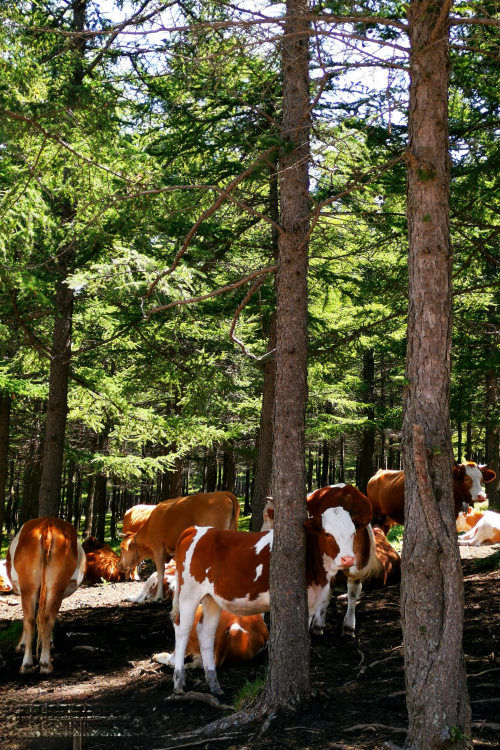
432,596
459,442
114,500
492,439
89,502
368,442
5,406
78,499
326,461
342,461
246,510
288,675
212,470
468,440
70,492
310,468
101,482
10,500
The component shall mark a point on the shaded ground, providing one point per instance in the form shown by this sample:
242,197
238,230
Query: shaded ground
104,685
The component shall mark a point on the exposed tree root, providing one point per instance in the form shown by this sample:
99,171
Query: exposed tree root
384,727
200,742
210,700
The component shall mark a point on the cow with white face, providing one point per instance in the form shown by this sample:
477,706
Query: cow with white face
226,570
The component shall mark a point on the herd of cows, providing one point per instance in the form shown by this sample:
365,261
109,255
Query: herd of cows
219,576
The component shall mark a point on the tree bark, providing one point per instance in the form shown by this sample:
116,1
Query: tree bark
288,675
9,510
5,407
78,499
70,492
342,461
264,464
89,503
212,470
432,596
368,442
101,483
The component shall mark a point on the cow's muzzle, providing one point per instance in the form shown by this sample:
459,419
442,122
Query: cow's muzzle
346,562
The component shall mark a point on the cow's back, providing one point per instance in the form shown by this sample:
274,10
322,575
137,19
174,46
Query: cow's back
136,517
386,492
171,517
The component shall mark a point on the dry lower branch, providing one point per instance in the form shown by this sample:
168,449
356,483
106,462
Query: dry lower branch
228,288
240,307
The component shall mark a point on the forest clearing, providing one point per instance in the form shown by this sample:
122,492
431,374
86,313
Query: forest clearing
249,345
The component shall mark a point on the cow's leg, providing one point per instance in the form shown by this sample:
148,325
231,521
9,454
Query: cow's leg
28,600
353,592
319,619
52,607
182,628
206,636
160,560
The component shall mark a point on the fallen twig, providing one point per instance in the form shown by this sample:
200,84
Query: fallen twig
210,700
487,700
480,674
360,653
384,727
306,729
200,742
490,725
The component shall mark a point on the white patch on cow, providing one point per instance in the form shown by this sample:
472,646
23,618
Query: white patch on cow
243,606
3,574
207,570
338,523
258,572
476,491
236,626
264,541
487,530
200,531
146,591
14,579
78,573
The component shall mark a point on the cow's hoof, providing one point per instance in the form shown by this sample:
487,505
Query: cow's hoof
218,691
27,669
46,668
316,631
178,691
348,633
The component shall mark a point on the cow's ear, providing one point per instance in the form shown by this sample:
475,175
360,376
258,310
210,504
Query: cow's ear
361,521
313,526
458,472
270,513
488,475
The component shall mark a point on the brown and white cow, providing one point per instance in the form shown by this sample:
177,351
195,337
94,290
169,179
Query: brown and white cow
237,639
377,563
5,585
486,530
150,586
467,521
102,562
230,571
45,563
135,517
158,537
387,488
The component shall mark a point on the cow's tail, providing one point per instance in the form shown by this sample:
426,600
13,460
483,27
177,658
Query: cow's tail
42,602
233,526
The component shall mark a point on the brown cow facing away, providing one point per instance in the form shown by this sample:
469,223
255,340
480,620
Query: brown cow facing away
102,562
45,564
386,492
158,537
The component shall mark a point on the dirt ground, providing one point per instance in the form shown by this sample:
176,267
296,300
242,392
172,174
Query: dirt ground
106,689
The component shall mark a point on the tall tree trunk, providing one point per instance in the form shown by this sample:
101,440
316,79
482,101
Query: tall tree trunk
89,503
10,499
310,468
70,492
288,675
326,464
432,596
115,497
492,441
5,406
78,499
101,483
212,470
368,441
57,406
342,461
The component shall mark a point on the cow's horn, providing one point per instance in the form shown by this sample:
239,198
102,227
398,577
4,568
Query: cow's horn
121,534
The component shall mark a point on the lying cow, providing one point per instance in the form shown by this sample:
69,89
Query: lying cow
45,564
150,587
158,537
102,562
230,570
386,492
377,563
486,530
467,521
237,639
5,585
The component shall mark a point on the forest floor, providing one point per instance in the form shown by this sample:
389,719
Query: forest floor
105,686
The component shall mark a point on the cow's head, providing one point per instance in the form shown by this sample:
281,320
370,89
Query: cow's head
129,555
336,532
268,515
470,475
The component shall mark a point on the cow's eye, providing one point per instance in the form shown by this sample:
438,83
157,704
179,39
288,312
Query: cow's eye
329,536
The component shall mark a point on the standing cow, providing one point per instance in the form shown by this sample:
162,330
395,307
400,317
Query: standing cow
230,571
45,564
386,492
158,537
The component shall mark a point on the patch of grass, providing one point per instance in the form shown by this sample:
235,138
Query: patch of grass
395,537
244,523
492,562
10,637
250,690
